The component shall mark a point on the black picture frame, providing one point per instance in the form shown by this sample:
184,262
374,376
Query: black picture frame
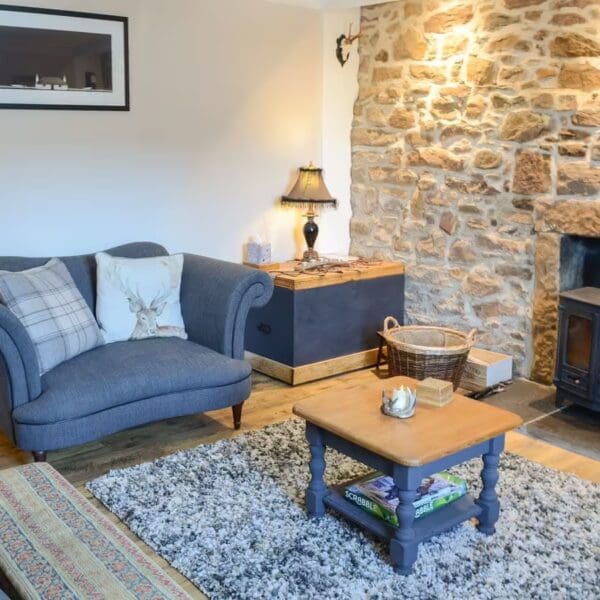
123,105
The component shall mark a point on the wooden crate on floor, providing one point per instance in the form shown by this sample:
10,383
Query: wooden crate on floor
485,369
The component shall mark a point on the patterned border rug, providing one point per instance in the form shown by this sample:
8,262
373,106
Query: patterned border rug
54,545
230,517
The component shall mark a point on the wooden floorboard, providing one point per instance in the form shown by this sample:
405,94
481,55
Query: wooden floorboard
271,402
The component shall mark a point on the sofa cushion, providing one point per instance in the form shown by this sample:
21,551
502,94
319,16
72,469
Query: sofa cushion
138,298
125,372
51,308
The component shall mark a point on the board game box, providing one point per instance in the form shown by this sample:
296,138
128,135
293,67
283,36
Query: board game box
377,495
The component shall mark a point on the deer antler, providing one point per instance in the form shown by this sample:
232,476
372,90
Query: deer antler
134,298
160,298
168,289
350,38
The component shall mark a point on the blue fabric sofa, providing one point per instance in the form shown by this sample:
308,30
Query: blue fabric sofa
127,384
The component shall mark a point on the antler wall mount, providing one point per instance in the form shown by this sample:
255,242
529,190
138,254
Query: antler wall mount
344,45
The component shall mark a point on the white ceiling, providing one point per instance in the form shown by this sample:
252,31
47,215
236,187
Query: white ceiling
329,4
347,3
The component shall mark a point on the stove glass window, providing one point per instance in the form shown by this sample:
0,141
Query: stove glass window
579,342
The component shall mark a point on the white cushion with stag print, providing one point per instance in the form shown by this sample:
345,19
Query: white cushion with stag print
139,298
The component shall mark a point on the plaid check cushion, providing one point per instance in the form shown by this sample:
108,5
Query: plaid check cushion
52,310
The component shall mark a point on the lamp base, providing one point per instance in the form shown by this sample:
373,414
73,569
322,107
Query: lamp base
311,231
309,255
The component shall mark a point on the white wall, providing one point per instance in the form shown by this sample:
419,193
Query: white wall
340,89
226,103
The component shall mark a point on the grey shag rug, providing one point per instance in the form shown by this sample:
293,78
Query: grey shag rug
230,517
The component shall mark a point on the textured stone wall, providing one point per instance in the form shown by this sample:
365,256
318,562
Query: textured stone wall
470,116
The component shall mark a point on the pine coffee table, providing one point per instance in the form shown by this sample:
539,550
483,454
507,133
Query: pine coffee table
407,450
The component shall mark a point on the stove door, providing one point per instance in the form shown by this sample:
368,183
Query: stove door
579,342
576,351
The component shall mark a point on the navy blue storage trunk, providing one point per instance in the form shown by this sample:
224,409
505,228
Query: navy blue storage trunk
323,324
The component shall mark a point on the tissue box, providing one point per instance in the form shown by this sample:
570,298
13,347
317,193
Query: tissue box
258,253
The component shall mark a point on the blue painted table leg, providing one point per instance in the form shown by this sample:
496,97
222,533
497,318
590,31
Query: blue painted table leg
488,499
317,490
403,547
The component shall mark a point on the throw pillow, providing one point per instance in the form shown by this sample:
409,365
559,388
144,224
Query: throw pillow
52,310
138,298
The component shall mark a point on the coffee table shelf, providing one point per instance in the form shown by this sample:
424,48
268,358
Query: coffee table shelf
441,520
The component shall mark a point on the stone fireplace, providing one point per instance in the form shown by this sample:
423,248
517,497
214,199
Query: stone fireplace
579,262
476,150
567,257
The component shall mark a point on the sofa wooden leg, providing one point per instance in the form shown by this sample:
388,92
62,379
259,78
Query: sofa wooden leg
237,415
39,456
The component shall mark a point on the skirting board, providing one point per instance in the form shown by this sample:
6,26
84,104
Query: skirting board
313,371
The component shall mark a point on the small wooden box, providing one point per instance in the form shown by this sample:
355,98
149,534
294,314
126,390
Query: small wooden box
485,369
434,392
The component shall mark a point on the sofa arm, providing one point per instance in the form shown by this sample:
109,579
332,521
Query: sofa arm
20,379
215,299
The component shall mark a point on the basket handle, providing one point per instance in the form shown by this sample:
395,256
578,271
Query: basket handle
394,322
471,336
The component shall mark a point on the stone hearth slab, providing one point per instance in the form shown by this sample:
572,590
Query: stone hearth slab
574,428
529,400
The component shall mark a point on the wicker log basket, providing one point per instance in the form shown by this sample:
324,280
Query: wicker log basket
423,351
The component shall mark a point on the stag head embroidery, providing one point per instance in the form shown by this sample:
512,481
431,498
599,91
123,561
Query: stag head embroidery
146,313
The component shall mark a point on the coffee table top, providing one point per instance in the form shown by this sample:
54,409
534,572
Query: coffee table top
431,434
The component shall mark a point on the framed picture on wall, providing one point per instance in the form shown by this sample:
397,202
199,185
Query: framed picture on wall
56,59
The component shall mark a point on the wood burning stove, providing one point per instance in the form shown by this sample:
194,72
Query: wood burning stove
578,357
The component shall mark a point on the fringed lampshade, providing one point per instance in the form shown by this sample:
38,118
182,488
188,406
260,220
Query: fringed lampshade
310,192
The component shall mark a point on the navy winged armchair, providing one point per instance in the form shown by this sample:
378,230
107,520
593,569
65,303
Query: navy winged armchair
126,384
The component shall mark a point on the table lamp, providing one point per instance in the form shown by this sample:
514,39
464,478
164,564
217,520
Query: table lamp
310,192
